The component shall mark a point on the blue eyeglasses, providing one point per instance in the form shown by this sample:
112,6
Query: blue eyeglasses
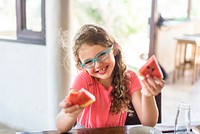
99,58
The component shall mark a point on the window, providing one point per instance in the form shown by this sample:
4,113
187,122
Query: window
195,12
23,21
180,10
173,9
126,20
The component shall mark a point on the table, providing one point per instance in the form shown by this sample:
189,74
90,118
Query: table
166,129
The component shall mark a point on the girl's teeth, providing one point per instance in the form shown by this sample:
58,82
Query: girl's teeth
102,69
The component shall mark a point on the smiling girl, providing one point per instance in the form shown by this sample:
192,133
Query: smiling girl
104,74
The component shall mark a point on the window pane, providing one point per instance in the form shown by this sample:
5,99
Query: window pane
7,18
126,19
195,12
33,15
173,8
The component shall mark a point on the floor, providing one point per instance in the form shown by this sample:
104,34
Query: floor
172,94
181,91
7,130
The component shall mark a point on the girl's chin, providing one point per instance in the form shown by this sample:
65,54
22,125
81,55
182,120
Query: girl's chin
103,77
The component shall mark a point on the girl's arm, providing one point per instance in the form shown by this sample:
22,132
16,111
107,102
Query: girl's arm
64,123
67,117
144,100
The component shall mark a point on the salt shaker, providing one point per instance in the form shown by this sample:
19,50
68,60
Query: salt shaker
182,121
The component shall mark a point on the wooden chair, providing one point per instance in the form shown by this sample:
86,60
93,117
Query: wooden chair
132,118
185,57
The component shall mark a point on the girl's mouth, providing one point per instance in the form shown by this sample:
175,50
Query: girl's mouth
103,70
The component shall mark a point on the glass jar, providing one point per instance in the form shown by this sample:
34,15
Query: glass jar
182,120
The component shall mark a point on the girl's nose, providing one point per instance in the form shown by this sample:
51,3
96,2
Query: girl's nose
98,64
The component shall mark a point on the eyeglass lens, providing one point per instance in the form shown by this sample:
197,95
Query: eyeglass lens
99,58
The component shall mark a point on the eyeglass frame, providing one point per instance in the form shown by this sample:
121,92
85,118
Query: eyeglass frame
95,59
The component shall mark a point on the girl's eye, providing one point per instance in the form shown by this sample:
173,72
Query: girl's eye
88,62
102,54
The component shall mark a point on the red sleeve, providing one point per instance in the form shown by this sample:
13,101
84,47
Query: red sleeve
135,83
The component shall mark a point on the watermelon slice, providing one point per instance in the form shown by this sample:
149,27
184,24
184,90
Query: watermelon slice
82,97
151,67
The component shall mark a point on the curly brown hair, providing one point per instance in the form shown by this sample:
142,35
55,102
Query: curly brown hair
95,35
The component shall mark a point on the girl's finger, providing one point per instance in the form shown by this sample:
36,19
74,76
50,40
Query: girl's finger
159,81
152,83
73,112
156,83
71,109
64,103
146,88
151,87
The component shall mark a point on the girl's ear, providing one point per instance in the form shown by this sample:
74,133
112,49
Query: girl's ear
115,49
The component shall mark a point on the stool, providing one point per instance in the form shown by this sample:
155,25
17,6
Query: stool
185,57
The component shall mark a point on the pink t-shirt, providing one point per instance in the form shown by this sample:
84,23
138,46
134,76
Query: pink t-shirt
97,114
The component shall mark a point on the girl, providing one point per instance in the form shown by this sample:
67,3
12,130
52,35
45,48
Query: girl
104,74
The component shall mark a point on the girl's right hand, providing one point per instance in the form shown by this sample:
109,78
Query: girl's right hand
69,109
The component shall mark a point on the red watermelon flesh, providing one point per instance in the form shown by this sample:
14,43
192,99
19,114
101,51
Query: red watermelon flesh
151,67
82,97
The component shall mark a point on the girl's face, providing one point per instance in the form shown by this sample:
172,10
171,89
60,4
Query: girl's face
102,70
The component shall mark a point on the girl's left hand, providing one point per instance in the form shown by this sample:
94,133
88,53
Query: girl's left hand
152,86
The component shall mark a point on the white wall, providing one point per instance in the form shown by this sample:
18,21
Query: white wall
23,85
32,78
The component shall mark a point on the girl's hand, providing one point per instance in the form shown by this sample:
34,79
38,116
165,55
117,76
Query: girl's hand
69,109
152,86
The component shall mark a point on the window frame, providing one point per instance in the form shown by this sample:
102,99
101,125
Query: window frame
22,33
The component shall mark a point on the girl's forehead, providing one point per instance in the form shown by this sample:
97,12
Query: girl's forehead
90,51
86,47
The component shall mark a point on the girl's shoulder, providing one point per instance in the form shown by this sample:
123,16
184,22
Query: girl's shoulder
84,77
134,80
131,74
82,80
83,74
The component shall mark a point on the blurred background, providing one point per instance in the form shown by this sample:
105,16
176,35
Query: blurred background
36,62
